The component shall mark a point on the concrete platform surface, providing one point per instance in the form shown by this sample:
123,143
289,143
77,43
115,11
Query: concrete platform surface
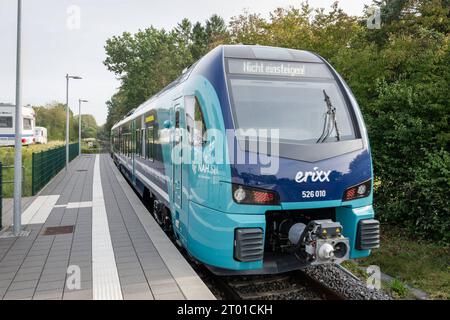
8,209
90,237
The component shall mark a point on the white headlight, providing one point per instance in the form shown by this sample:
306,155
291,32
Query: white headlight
239,194
362,189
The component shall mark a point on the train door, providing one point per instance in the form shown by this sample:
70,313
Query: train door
179,199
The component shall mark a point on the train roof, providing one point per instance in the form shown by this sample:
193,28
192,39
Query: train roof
239,51
269,53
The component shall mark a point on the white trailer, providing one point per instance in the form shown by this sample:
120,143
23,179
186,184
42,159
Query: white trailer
7,125
40,134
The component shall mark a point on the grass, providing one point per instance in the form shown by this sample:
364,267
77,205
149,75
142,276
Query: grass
421,264
398,288
354,268
7,159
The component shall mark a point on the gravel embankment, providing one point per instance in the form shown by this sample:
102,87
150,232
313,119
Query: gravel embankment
341,282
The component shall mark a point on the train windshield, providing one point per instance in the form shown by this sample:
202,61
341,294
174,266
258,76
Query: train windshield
294,105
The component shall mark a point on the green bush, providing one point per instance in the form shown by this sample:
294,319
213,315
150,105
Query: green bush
398,288
409,158
430,197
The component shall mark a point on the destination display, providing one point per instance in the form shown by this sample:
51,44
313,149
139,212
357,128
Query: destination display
278,68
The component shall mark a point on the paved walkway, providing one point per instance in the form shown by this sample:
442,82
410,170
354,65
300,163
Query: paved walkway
109,247
8,209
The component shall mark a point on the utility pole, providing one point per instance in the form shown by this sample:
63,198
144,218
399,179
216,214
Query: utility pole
67,121
68,77
79,124
17,223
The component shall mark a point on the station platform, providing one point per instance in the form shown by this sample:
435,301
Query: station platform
8,209
91,238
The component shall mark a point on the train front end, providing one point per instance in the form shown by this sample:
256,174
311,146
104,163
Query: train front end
300,186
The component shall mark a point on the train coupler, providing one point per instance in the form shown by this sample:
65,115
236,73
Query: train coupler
320,242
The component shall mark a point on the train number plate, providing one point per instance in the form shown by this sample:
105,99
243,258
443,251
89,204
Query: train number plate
314,194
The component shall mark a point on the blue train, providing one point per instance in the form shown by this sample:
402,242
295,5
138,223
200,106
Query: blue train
256,159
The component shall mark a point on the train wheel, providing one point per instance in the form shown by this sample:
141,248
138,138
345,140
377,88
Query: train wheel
148,201
162,216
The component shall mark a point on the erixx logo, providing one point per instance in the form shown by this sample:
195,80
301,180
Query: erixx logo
314,176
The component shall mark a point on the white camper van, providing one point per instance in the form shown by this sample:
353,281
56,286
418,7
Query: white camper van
40,134
7,125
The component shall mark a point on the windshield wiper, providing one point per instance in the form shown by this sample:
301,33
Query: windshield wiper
330,123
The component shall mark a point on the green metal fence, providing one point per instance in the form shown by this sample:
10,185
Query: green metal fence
47,164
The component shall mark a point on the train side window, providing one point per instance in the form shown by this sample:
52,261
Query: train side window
150,145
195,122
200,136
177,119
133,143
142,134
177,127
138,142
128,145
157,152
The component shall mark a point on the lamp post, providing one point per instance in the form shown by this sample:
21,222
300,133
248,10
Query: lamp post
18,131
79,124
68,77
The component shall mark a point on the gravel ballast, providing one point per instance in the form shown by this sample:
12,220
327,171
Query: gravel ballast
345,284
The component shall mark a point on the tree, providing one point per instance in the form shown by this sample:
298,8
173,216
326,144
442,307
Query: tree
150,59
399,74
216,31
88,125
248,28
53,117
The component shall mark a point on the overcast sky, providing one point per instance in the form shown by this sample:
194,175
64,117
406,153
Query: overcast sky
53,45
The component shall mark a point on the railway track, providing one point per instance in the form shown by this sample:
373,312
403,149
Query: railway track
296,285
290,286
